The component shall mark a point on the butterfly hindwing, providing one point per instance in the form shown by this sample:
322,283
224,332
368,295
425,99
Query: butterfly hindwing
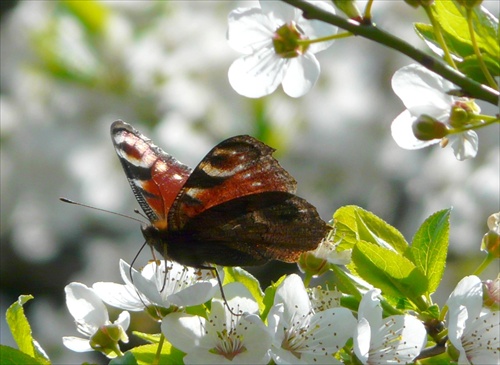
236,167
249,230
155,177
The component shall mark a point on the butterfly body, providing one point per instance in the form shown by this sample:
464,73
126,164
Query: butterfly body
236,208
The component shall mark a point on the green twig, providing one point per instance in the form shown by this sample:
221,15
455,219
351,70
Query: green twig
370,31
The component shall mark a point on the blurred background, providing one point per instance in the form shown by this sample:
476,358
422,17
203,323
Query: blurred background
69,69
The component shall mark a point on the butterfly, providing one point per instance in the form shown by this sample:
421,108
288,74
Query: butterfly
236,208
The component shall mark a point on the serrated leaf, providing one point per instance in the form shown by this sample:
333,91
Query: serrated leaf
144,355
11,356
430,247
359,224
394,274
21,330
237,274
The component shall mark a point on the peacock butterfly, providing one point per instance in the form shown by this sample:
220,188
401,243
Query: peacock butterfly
236,208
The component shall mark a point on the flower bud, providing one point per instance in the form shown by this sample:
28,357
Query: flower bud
491,240
349,8
312,265
106,339
491,294
426,128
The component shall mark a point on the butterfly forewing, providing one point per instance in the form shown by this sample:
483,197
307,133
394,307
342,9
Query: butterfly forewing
155,177
236,167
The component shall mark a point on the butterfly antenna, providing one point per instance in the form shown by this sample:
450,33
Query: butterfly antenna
69,201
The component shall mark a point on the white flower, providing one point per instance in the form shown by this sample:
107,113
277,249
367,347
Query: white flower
301,335
157,288
222,338
392,340
473,330
328,250
92,321
269,39
425,93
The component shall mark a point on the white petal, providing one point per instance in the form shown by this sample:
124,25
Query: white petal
483,338
279,12
85,305
370,309
239,299
422,91
258,74
317,29
119,296
184,331
362,340
301,75
402,133
468,293
464,145
195,294
123,320
400,340
249,30
77,344
293,295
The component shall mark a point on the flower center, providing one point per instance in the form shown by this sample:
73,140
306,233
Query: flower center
229,345
286,41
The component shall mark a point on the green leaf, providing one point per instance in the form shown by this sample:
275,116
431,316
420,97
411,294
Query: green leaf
388,270
430,247
127,359
11,356
144,355
21,330
237,274
453,21
149,337
353,223
269,295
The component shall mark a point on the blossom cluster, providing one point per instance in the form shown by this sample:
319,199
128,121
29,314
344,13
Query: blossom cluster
300,326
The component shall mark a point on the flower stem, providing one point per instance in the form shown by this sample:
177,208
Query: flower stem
156,360
486,119
482,65
368,10
439,36
370,31
325,39
484,264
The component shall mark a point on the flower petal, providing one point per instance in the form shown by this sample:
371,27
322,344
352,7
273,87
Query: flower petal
362,340
119,296
279,12
423,92
301,75
77,344
184,331
249,30
317,29
85,306
402,133
293,295
464,145
258,74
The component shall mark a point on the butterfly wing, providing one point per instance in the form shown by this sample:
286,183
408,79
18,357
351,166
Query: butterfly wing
236,167
155,177
249,230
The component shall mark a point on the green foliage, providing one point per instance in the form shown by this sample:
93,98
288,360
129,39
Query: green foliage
382,257
21,331
11,356
453,22
430,247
